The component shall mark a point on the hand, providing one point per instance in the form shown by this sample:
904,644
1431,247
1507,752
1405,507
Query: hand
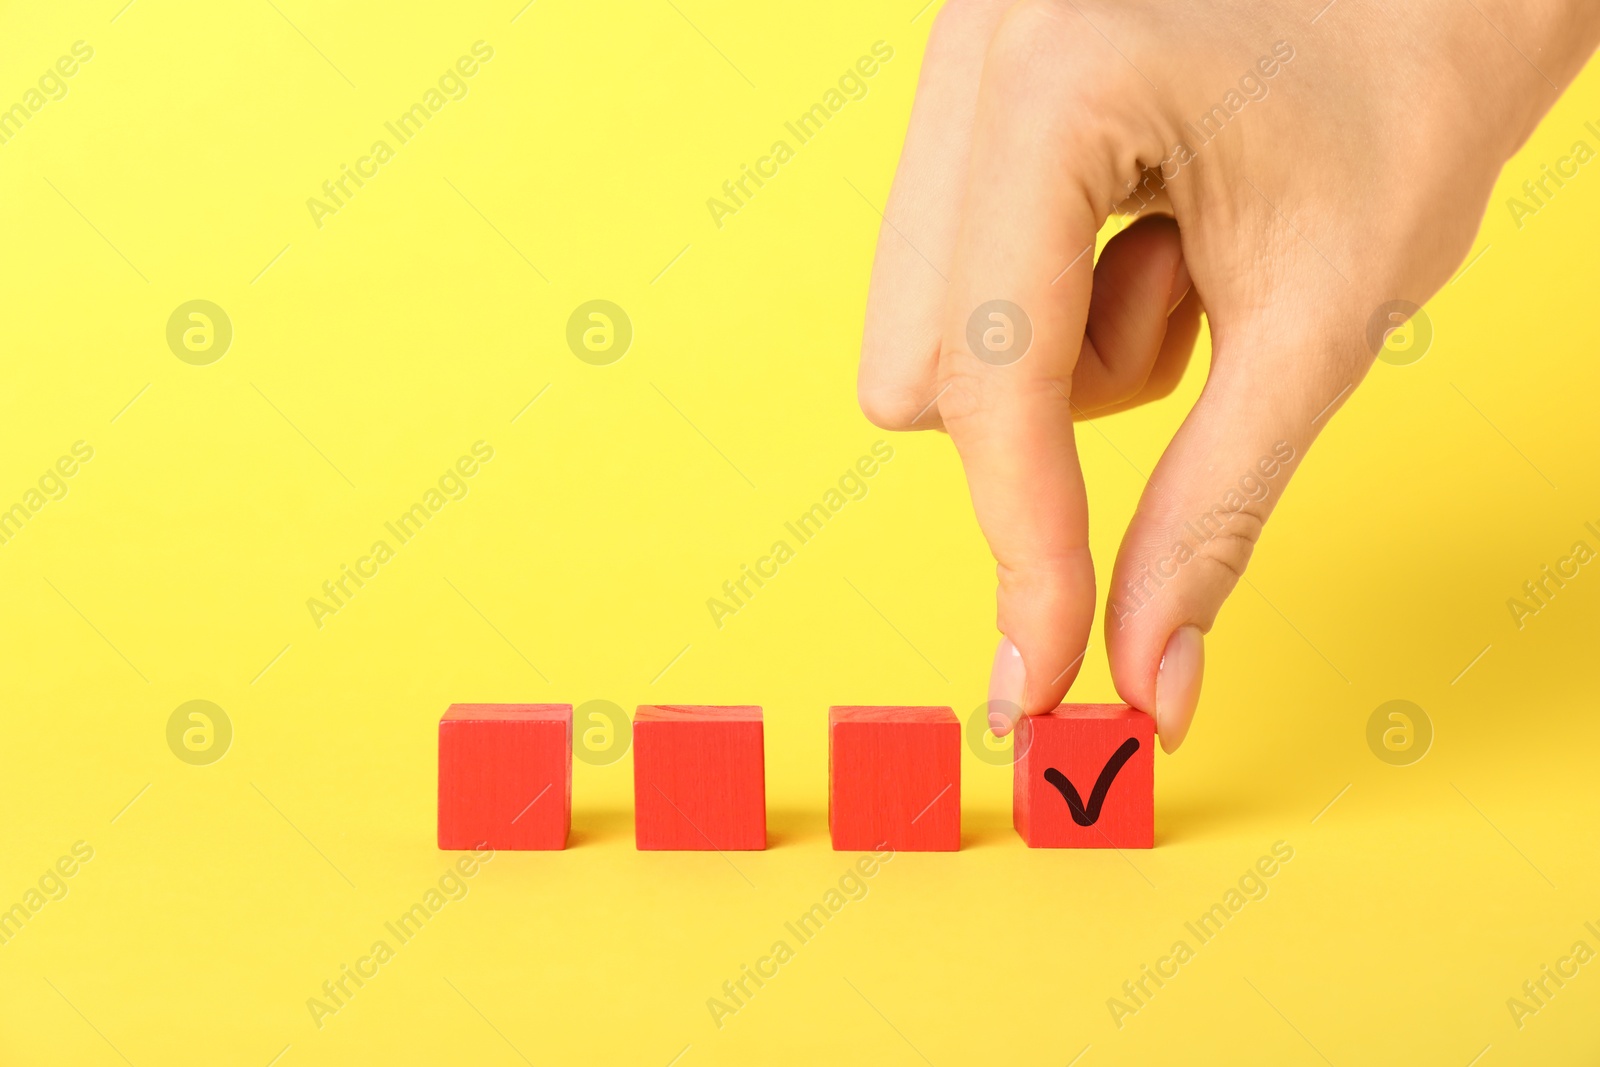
1302,182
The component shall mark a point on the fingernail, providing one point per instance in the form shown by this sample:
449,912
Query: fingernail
1180,286
1178,685
1006,684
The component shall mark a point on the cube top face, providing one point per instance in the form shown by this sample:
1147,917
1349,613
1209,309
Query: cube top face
1085,778
894,778
505,776
892,714
1080,712
699,778
697,713
508,713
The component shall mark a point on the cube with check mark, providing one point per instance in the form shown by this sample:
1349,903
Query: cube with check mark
1084,777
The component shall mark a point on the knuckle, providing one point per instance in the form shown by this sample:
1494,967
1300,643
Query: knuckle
1063,86
1227,553
1110,385
895,378
1159,390
1029,44
890,407
956,21
961,394
976,400
1120,370
1048,47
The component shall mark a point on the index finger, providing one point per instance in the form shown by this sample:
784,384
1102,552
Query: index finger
1042,150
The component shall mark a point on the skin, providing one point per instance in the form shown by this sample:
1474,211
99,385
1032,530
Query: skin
1357,179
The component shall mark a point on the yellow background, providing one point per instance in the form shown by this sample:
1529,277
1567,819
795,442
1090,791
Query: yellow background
374,351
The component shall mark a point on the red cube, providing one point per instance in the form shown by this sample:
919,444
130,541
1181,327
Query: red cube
699,778
505,776
894,779
1085,778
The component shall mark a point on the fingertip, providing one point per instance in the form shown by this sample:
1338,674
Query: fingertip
1008,681
1178,678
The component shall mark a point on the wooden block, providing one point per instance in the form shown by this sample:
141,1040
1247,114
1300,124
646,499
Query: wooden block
699,778
894,779
1085,778
505,776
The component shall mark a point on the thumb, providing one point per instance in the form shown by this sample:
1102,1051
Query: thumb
1201,514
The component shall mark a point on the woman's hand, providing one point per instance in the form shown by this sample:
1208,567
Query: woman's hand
1305,177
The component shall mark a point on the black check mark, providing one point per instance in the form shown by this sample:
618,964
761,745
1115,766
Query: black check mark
1088,814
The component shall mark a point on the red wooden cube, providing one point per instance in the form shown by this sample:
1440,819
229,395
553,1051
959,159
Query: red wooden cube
1085,778
894,779
699,778
505,776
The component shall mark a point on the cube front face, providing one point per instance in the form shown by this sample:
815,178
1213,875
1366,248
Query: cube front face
1086,778
699,778
894,778
505,776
